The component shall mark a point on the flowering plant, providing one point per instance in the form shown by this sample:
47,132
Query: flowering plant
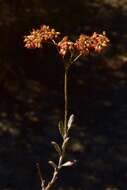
70,52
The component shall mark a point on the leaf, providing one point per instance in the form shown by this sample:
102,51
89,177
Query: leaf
65,143
61,128
69,163
57,148
53,164
70,121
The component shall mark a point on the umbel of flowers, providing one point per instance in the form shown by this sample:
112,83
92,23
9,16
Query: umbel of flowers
83,45
70,52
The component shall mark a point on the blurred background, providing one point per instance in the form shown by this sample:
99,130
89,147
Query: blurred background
31,96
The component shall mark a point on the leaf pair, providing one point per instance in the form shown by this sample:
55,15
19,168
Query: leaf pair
61,126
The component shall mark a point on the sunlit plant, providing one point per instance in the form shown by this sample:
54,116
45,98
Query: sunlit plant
70,52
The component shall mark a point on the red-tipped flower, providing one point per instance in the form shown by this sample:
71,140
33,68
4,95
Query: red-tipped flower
99,41
83,44
65,45
40,36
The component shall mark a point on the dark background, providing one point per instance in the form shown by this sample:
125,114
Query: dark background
31,96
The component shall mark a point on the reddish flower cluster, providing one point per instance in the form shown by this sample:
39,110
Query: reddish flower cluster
83,45
87,43
65,45
99,41
40,36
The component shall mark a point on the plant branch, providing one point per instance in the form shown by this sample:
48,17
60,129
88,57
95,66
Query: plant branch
40,175
61,157
65,100
51,183
76,58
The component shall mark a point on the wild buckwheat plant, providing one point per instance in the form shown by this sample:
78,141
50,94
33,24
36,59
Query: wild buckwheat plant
70,52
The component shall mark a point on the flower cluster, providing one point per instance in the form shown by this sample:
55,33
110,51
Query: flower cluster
65,45
99,41
40,36
84,44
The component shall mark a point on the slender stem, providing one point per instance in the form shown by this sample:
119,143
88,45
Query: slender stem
55,174
51,183
65,100
61,158
72,61
76,58
40,175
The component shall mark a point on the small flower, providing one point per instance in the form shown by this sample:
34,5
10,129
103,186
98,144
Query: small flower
40,36
99,42
65,46
83,44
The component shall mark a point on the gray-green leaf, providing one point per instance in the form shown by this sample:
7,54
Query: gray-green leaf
61,128
70,121
57,148
69,163
53,164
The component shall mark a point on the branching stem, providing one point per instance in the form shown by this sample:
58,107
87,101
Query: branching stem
65,100
60,162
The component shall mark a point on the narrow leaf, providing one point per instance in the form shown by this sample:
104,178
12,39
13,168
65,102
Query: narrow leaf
53,164
61,128
65,143
69,163
70,121
57,148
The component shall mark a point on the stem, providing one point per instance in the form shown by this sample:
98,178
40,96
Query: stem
51,183
61,158
65,101
55,174
76,58
40,175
